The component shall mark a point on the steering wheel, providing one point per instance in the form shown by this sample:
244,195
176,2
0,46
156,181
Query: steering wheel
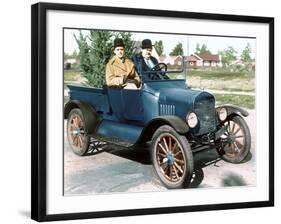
159,67
160,70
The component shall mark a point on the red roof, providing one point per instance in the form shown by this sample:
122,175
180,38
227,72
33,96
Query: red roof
209,57
190,58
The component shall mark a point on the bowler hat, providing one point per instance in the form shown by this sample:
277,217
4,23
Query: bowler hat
118,42
146,43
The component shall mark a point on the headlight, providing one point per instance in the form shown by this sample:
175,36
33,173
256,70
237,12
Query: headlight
222,113
191,119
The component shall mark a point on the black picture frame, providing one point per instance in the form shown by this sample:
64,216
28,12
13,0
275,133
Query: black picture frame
39,110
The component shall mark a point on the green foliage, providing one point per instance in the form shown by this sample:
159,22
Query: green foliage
159,47
203,49
73,55
228,55
245,56
95,50
178,50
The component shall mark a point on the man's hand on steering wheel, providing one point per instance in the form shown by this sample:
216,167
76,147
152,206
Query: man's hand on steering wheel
160,71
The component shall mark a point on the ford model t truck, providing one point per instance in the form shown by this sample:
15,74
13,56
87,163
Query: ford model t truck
176,121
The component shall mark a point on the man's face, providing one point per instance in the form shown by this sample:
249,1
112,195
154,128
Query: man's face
119,52
146,53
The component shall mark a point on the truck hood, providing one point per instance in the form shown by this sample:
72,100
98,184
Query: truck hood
178,95
182,100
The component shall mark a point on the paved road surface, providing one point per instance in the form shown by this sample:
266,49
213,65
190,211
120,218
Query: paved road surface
116,169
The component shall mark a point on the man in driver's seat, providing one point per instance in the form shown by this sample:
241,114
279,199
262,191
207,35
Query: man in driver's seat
145,62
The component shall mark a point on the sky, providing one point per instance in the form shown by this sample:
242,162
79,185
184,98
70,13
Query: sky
214,44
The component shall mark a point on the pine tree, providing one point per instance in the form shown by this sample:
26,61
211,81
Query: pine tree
96,49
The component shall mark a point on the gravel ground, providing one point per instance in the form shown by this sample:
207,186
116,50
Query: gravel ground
116,169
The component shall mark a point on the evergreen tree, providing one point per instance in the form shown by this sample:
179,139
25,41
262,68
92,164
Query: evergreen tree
93,55
178,50
159,47
95,50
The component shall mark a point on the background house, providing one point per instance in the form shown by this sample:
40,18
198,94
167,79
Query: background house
171,61
205,60
71,63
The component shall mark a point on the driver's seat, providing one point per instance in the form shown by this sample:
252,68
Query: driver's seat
145,72
142,68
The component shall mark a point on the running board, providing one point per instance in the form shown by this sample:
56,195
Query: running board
112,140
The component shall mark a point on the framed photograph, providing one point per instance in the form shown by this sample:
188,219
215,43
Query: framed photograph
140,111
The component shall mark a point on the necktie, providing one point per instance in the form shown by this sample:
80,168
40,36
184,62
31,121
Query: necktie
149,63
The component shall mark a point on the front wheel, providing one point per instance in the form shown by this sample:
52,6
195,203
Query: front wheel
236,141
172,157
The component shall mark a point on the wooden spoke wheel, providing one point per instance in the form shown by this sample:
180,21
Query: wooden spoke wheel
172,157
236,141
76,133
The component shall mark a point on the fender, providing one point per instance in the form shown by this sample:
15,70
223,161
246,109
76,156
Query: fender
231,110
175,122
90,115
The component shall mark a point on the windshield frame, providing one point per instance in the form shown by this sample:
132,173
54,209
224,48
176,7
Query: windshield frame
183,70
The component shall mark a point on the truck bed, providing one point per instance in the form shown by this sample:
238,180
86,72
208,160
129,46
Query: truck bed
96,97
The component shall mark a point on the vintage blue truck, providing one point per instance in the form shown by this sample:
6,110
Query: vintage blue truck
176,121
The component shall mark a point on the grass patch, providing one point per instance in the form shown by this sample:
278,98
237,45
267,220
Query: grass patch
220,74
176,75
238,100
238,89
71,75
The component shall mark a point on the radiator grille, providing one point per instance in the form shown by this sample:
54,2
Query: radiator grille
205,110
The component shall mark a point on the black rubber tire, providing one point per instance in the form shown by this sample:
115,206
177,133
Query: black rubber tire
79,143
182,154
232,152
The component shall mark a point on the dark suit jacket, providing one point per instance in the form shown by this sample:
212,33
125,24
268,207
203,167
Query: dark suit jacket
142,67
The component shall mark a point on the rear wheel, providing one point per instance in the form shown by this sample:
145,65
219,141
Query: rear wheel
76,133
172,157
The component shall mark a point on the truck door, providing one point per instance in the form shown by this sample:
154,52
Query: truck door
126,104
